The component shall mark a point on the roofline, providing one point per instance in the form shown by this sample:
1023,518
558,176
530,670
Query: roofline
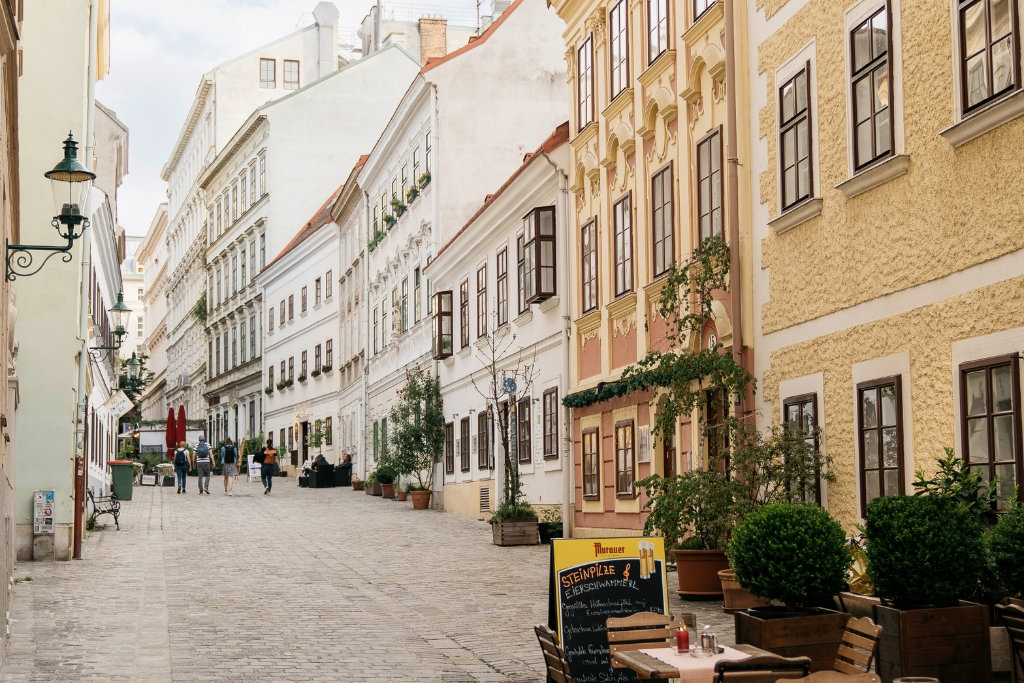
244,132
323,212
437,61
202,92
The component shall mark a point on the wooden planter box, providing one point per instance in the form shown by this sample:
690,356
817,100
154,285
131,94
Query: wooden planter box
515,532
950,643
813,635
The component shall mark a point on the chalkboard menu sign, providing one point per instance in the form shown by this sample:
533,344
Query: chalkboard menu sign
594,579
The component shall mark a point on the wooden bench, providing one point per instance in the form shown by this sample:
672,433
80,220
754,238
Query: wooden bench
104,505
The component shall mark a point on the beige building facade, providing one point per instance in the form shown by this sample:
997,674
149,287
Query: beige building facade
651,137
889,256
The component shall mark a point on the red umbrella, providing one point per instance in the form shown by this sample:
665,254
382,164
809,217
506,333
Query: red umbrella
170,433
181,423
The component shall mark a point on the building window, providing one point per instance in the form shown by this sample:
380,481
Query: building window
291,368
242,337
416,295
501,268
662,220
376,330
216,367
244,185
550,407
242,262
270,319
329,285
329,353
234,346
880,439
405,304
591,464
795,137
443,324
384,322
328,431
449,448
990,419
872,89
625,459
709,185
464,444
622,216
483,441
585,83
523,429
252,182
302,300
701,6
316,358
376,441
270,376
234,202
263,191
989,63
521,272
618,47
316,292
801,416
464,314
416,165
268,75
291,306
426,152
252,336
481,301
539,228
291,74
657,28
302,365
588,261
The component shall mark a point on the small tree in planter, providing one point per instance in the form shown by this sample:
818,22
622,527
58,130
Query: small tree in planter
1005,542
417,433
925,554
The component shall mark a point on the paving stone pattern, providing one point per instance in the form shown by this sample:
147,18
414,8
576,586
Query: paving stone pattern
300,585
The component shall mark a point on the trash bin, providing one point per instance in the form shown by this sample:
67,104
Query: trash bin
121,471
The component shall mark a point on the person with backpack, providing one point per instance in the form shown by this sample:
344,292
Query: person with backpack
229,462
204,465
181,465
269,467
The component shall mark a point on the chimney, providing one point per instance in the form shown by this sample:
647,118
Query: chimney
326,16
433,38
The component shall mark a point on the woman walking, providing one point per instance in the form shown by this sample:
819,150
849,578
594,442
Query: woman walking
229,463
269,467
181,465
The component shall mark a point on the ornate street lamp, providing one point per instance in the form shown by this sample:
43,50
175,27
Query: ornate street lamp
71,182
120,313
134,366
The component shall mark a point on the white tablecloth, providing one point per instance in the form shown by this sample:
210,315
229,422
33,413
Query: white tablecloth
693,669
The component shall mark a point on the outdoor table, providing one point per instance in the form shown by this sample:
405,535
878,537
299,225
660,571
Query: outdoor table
663,662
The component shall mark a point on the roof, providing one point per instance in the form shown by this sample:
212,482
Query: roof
474,42
557,138
321,218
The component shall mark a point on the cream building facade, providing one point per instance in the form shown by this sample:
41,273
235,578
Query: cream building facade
152,258
655,143
890,260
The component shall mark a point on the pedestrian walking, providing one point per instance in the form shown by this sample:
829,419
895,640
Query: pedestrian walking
204,465
181,465
229,463
269,467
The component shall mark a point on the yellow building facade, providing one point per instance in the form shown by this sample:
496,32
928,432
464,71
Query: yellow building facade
651,144
889,248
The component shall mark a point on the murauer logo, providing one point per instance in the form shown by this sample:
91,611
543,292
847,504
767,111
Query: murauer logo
600,550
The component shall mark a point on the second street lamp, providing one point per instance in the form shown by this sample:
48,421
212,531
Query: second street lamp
120,312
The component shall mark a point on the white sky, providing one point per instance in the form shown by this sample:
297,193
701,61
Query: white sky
160,48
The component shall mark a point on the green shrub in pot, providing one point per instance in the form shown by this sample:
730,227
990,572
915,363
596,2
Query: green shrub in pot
1005,542
795,553
923,550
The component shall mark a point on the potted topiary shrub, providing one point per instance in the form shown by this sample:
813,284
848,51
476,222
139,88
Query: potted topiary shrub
925,555
1005,542
385,478
796,554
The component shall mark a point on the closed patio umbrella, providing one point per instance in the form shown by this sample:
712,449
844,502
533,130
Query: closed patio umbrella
170,433
181,423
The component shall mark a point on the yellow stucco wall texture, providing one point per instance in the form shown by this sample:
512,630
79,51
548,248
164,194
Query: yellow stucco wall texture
934,220
928,334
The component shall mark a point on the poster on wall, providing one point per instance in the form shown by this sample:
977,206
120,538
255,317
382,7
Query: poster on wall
42,512
597,578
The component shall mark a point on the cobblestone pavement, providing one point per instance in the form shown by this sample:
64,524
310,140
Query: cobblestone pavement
300,585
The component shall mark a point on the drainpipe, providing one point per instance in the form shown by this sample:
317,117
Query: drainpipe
366,342
732,192
83,321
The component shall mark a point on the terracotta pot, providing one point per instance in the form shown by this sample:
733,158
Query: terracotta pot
387,490
420,499
357,484
735,596
402,495
697,571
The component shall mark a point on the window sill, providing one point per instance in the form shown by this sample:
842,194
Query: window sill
873,176
524,317
980,122
795,216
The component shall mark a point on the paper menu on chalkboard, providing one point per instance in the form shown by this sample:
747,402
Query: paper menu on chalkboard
597,578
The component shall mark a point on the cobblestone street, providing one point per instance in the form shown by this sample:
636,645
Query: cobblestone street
300,585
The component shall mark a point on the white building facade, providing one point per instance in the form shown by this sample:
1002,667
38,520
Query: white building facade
226,96
301,314
501,312
461,129
152,258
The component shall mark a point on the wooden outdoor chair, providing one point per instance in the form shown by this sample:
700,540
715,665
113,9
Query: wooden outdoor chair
761,669
646,629
857,648
554,655
1013,617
